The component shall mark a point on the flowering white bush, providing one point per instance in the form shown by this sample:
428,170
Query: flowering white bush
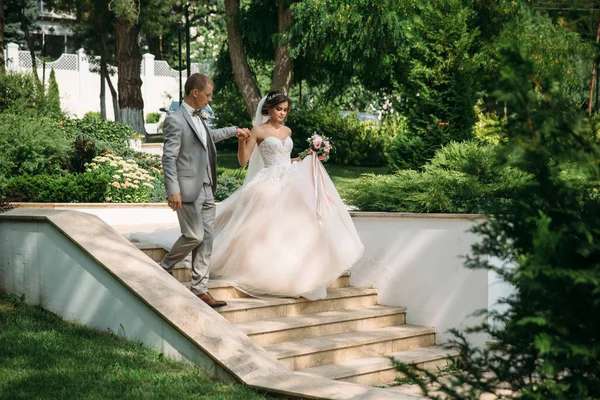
129,182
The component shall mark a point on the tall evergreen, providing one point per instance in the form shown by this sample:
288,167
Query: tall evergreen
548,344
53,95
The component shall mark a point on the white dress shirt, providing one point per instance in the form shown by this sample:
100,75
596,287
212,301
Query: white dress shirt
199,125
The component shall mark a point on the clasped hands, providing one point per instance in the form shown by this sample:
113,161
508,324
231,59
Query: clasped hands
242,133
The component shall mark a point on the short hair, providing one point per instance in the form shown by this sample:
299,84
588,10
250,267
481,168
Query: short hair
274,97
197,81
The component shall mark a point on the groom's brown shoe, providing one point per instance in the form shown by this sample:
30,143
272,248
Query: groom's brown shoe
211,301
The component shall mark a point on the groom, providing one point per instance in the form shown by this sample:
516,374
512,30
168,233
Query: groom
190,166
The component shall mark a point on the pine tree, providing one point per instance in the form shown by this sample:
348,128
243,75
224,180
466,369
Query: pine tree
53,95
548,344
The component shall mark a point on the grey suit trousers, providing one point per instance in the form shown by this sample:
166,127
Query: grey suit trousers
196,220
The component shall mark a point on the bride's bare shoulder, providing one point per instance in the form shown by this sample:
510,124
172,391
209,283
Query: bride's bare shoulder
258,131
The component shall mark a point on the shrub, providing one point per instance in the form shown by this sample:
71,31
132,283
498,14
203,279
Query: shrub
95,137
53,95
461,178
127,182
30,146
152,117
227,184
356,143
92,115
23,94
70,188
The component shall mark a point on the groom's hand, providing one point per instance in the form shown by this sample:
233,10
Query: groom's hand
243,133
174,201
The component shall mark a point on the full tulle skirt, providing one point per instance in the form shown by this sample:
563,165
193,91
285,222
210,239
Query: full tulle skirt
286,233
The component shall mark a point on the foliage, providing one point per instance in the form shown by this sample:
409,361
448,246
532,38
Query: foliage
53,95
488,127
20,15
554,51
22,94
95,137
127,182
31,145
152,117
229,181
71,188
46,357
547,346
461,178
356,142
92,115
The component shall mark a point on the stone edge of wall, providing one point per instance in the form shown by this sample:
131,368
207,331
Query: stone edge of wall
362,214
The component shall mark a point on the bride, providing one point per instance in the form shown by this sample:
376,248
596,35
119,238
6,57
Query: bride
286,231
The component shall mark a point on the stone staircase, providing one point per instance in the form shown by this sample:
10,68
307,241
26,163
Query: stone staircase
347,336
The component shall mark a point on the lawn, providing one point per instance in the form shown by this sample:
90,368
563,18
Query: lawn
44,357
341,175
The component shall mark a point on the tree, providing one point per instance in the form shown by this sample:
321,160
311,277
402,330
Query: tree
2,60
129,59
53,95
20,20
546,342
94,31
272,32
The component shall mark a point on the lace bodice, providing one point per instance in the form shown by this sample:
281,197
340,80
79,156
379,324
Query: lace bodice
275,151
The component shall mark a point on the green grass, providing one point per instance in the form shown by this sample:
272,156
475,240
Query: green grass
342,176
43,357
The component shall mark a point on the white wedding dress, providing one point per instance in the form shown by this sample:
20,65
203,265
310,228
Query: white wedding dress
284,233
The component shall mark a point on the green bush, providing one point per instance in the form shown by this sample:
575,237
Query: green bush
92,115
461,178
32,145
70,188
355,142
227,184
152,117
53,95
23,94
95,137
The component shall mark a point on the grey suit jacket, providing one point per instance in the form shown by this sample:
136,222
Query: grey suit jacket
185,155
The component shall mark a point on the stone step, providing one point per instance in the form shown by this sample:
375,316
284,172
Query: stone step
347,346
282,329
379,370
182,273
244,310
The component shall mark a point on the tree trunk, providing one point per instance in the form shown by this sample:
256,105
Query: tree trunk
102,88
113,92
594,71
243,76
283,71
25,29
129,59
2,60
115,97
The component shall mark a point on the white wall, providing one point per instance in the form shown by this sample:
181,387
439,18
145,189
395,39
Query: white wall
414,260
80,89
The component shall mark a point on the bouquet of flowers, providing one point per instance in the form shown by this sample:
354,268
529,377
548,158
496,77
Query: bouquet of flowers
319,145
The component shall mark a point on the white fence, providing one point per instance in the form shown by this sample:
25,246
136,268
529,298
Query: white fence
80,88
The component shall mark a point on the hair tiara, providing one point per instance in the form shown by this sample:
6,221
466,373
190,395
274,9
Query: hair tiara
276,94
